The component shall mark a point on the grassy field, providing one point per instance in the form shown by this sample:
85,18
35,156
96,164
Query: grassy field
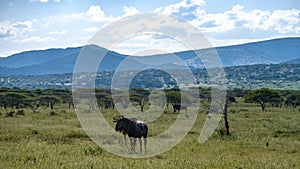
56,140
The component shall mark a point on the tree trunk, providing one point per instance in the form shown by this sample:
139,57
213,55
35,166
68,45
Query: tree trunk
263,105
51,106
226,119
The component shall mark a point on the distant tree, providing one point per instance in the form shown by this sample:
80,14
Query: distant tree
205,93
49,100
224,103
293,99
13,99
104,98
2,101
141,96
236,92
174,98
229,100
262,96
66,97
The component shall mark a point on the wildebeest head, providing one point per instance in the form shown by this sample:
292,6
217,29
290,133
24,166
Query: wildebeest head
121,123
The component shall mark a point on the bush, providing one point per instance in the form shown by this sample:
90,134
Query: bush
52,113
232,111
34,132
10,114
76,135
93,150
244,110
63,111
20,112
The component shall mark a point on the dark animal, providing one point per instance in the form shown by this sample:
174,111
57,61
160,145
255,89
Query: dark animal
134,129
179,107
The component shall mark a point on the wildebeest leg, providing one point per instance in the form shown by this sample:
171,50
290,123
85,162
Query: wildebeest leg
134,143
125,139
140,140
145,143
131,143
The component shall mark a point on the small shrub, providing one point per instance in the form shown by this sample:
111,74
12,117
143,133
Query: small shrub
63,111
10,114
93,150
232,111
34,132
31,159
76,135
247,115
52,113
244,110
20,112
293,151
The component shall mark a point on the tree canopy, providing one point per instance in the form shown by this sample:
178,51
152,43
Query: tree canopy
263,96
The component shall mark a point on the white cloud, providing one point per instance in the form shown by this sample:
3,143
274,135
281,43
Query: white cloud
68,18
58,32
78,28
36,39
91,29
130,11
44,1
148,45
8,29
175,8
282,21
285,21
96,14
8,53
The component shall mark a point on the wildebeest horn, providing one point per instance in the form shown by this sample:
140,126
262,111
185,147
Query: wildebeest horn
116,118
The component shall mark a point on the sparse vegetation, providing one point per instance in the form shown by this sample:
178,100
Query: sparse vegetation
257,139
277,76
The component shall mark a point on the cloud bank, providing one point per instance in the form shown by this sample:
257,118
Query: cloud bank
236,25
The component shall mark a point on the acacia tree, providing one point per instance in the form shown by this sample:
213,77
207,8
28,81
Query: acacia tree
49,100
13,99
141,96
2,101
174,98
205,93
263,96
229,100
221,104
293,99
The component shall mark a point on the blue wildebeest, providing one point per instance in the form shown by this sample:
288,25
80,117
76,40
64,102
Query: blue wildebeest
179,107
134,129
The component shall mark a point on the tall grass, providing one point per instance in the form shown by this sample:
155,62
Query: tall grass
258,139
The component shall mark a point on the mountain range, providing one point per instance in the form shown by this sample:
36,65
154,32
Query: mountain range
59,61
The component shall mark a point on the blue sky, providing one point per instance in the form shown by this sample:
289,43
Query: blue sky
41,24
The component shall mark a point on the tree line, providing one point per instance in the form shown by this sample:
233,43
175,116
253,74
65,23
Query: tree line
16,98
22,98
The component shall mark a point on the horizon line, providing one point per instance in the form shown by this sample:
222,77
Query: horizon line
238,42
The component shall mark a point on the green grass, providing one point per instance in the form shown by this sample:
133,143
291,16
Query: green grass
259,140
